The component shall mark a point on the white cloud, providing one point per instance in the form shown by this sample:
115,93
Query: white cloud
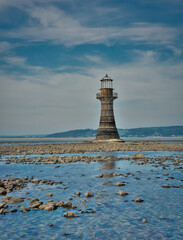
4,46
93,58
49,23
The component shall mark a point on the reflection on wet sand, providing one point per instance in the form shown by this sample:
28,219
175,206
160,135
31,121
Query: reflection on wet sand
108,165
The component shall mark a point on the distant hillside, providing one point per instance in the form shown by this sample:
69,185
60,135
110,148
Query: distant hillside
152,131
171,131
75,133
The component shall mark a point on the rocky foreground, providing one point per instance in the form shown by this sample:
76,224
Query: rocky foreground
89,146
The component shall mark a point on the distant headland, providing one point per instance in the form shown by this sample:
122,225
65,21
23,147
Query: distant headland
171,131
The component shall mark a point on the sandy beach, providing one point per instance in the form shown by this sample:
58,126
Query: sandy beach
88,146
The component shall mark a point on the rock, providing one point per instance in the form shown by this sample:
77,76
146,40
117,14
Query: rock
36,180
3,211
78,194
12,200
49,194
119,184
13,210
139,200
122,193
3,191
34,200
35,205
60,204
24,209
108,175
50,207
98,196
88,194
138,156
100,176
42,206
3,205
87,161
70,214
67,204
166,186
116,174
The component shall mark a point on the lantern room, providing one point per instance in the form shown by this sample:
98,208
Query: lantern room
106,82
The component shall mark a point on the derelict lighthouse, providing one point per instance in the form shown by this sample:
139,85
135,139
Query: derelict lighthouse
107,127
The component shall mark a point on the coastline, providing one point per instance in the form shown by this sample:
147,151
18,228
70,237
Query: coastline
87,146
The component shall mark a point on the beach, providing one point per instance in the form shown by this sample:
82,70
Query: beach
88,146
91,190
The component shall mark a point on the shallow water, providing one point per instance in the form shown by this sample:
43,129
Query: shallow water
113,217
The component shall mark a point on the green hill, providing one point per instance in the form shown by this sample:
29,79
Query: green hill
75,133
171,131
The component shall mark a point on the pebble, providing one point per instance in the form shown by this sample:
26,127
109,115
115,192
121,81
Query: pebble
70,214
122,193
119,184
49,194
139,200
88,194
166,186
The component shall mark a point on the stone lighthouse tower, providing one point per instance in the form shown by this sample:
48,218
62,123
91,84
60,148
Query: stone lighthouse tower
107,128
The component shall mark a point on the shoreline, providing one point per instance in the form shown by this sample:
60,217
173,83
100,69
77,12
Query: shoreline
87,146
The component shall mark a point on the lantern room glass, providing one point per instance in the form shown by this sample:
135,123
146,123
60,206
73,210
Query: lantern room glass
106,82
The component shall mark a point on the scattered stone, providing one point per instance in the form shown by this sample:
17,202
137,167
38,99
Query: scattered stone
119,184
122,193
25,209
78,194
138,156
34,200
49,194
144,220
116,174
98,196
70,214
12,200
35,205
50,207
88,194
2,191
166,186
13,210
100,176
36,180
139,200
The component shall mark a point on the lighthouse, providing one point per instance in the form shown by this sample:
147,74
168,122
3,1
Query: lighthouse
107,127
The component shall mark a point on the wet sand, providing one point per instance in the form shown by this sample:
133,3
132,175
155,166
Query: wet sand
88,146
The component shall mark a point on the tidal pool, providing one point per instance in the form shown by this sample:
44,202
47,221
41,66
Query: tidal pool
109,217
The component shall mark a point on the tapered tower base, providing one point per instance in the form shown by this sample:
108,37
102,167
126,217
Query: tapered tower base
107,133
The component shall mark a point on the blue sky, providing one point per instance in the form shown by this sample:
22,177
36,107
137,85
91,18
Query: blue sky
54,52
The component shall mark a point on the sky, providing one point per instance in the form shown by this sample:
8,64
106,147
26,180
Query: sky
53,54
